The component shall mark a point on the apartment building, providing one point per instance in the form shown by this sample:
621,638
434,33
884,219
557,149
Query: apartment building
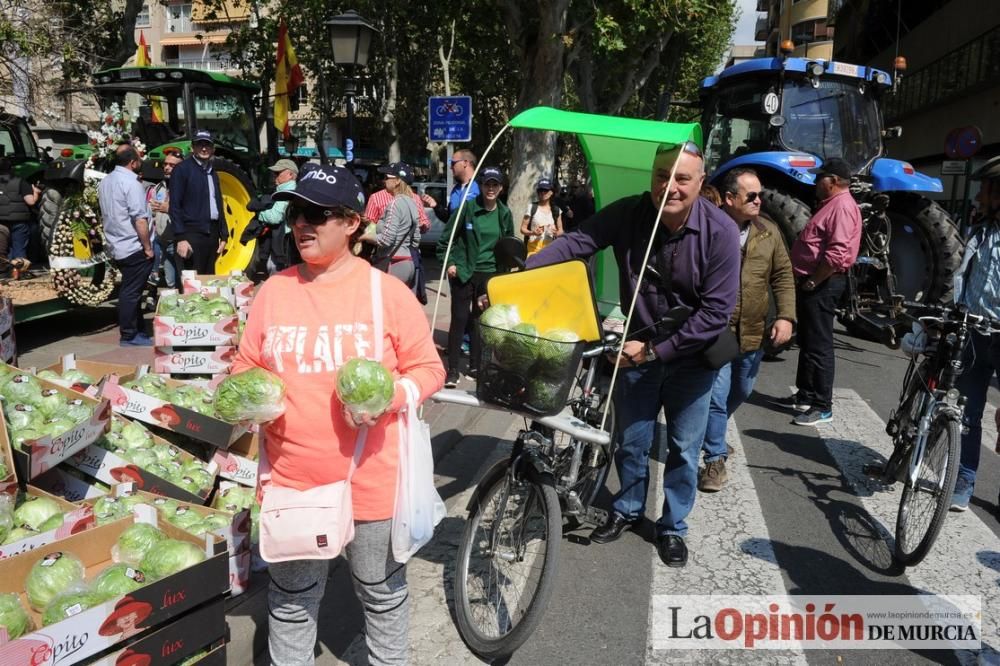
805,22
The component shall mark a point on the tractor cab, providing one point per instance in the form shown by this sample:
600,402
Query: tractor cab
794,105
17,143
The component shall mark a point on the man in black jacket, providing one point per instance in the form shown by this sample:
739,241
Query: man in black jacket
196,212
16,198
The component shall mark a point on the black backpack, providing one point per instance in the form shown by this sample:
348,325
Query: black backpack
534,209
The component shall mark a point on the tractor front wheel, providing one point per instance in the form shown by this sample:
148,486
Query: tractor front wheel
925,248
237,190
48,214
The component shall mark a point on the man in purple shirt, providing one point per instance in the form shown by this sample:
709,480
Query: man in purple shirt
821,256
695,262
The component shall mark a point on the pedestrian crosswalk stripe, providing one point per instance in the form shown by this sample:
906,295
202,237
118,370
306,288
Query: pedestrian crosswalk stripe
730,553
965,559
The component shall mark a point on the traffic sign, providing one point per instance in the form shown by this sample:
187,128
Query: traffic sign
952,167
963,143
449,118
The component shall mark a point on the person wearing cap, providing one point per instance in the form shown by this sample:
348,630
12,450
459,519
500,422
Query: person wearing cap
397,231
977,288
542,222
196,212
304,324
379,201
824,251
285,172
695,265
471,262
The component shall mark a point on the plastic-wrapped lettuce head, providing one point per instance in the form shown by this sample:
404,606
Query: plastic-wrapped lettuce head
144,458
13,616
74,376
57,426
134,542
150,385
118,580
187,396
21,435
165,454
165,505
216,521
519,349
168,305
499,318
78,411
18,534
20,416
55,572
555,352
135,436
111,507
68,604
34,511
6,516
183,517
171,556
234,498
253,395
50,376
52,403
543,394
21,388
365,386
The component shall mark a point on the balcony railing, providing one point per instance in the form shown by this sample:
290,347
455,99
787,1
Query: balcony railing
762,30
207,65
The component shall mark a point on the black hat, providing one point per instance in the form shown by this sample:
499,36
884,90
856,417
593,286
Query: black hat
326,186
833,167
544,184
203,136
490,173
400,170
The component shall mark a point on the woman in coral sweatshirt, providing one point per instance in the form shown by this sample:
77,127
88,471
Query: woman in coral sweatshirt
305,323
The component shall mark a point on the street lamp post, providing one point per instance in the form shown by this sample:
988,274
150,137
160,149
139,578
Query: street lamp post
351,38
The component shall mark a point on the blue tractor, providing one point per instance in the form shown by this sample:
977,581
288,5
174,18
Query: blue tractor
784,116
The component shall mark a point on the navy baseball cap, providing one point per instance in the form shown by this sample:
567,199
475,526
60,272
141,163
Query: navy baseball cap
544,184
400,170
326,186
833,167
490,173
203,135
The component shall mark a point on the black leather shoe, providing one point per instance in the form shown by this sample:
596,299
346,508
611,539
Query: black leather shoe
672,550
613,529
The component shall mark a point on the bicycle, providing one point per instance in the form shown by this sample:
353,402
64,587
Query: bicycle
926,426
507,558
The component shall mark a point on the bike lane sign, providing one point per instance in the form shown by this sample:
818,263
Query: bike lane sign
449,118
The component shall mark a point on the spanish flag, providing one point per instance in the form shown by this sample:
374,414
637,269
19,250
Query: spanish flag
287,77
142,53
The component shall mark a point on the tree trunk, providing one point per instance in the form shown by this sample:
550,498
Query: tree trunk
543,70
435,147
389,118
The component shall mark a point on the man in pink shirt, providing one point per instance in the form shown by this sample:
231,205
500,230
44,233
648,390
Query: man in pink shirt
821,256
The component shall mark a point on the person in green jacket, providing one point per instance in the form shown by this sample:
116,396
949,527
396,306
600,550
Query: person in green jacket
472,262
285,172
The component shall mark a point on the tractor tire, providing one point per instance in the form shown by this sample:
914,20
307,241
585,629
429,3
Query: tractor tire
237,191
789,213
48,215
925,248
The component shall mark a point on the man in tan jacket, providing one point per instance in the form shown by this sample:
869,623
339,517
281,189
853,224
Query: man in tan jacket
765,266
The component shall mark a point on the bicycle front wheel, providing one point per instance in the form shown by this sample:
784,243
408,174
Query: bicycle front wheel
924,503
506,562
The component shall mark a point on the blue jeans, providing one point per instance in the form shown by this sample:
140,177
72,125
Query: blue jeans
20,233
165,258
733,385
982,362
682,389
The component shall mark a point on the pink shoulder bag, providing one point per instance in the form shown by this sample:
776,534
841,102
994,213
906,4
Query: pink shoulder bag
314,524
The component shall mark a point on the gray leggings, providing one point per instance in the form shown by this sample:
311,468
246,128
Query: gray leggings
379,582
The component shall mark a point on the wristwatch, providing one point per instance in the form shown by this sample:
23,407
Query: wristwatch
650,352
809,284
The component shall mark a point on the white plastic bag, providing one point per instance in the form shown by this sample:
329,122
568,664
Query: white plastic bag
419,507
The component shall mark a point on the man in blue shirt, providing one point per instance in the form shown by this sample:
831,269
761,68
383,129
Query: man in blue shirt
196,211
977,286
695,263
463,166
125,217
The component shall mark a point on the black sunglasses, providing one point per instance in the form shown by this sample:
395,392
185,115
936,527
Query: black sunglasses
313,215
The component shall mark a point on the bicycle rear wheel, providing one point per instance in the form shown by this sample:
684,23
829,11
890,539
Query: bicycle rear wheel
924,504
506,562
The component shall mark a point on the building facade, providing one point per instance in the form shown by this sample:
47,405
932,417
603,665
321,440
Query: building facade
805,22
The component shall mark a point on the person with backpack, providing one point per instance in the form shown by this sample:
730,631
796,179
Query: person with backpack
17,196
542,223
398,229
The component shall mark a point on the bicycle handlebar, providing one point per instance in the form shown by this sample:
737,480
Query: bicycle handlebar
953,313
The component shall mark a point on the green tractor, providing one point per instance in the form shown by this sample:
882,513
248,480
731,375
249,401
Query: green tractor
172,103
18,143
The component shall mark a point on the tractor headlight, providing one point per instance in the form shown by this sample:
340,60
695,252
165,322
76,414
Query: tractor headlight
160,75
816,69
177,75
882,78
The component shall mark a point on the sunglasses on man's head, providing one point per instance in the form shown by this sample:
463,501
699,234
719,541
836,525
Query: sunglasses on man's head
689,147
454,162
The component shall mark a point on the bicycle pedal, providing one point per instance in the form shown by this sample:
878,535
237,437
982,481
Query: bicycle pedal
595,517
873,471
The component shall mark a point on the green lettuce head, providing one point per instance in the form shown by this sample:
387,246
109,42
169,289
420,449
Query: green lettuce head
18,534
20,416
13,617
519,349
135,542
171,556
34,512
118,580
52,403
75,376
68,604
555,353
500,318
22,388
365,386
55,572
253,395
